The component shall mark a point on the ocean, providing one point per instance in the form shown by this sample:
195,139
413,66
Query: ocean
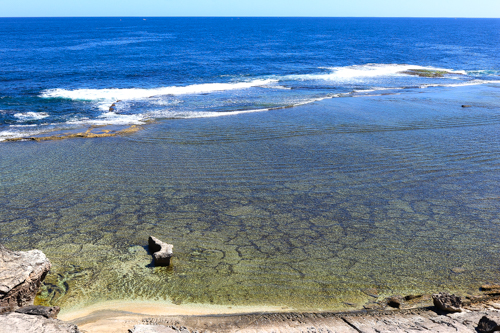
308,163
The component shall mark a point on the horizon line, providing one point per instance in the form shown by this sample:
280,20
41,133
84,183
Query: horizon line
270,16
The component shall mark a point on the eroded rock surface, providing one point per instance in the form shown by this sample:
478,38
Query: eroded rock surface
14,322
21,274
162,252
38,310
417,320
446,302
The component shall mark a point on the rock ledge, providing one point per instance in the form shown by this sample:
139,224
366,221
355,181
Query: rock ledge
21,274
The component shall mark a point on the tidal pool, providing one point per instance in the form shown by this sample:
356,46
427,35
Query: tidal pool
310,208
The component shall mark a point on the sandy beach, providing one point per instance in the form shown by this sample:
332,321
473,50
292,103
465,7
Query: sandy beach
124,316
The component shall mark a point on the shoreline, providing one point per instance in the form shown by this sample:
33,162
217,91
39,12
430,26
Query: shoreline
160,307
122,316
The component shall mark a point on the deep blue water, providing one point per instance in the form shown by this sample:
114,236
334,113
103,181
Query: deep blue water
59,73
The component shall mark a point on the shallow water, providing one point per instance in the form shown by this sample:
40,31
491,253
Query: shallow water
306,207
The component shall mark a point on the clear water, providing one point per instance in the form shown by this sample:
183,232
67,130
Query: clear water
378,179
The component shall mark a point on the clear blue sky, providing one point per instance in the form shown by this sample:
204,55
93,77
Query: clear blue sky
235,8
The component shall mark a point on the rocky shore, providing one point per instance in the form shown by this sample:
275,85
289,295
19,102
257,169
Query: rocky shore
21,274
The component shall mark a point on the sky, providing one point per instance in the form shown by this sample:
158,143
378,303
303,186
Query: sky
241,8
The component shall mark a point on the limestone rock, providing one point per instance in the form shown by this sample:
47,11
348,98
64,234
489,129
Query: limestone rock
490,286
487,325
491,289
447,302
21,274
14,322
38,310
162,252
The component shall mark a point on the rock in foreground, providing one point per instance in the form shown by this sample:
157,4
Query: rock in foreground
21,274
486,325
447,302
162,252
14,322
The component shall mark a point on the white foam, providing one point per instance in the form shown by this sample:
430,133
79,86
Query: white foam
359,72
198,114
12,134
110,118
138,93
24,116
31,125
462,84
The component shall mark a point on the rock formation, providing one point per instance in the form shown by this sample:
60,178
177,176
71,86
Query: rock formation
486,325
491,289
38,310
14,322
21,274
447,302
162,252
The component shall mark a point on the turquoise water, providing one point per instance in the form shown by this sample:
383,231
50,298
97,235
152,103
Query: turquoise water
304,207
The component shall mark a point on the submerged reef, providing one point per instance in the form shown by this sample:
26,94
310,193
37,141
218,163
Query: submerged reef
92,132
426,72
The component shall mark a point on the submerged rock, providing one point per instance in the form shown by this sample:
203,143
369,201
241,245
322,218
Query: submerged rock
466,106
162,252
447,302
14,322
39,310
21,274
395,301
426,72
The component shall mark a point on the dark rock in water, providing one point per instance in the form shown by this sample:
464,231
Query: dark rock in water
112,108
426,72
21,274
162,252
447,302
412,297
466,106
487,325
14,322
395,301
38,310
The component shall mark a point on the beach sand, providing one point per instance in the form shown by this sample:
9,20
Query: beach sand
118,316
123,316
